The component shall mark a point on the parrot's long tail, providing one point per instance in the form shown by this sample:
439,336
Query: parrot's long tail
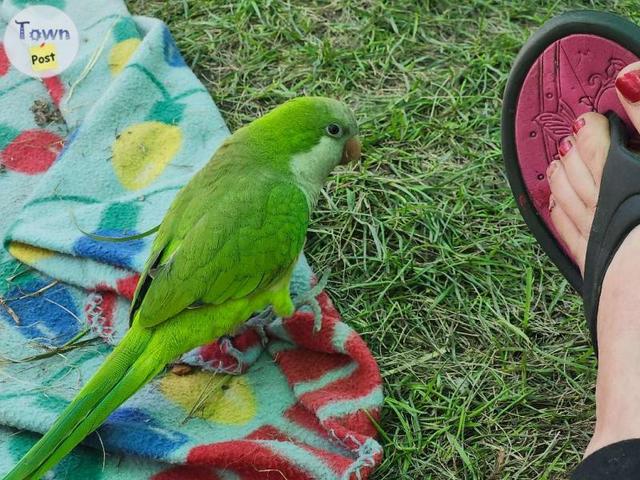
131,364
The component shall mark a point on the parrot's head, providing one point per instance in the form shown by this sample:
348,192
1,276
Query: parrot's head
306,138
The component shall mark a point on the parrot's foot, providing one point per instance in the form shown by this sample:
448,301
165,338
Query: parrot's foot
308,298
260,321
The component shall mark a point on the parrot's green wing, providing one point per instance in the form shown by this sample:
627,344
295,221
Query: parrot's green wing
214,247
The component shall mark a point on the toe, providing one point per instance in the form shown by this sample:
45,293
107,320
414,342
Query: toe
628,88
569,233
591,132
579,175
568,199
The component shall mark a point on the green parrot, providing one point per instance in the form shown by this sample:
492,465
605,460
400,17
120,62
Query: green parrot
225,249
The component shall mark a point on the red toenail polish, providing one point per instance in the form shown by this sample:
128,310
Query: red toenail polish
565,146
577,125
629,86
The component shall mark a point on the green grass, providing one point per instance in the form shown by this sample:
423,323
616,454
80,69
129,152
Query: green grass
488,370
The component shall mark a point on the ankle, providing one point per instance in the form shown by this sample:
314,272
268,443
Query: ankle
605,438
619,305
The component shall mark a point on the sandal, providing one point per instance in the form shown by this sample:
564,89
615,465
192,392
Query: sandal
568,68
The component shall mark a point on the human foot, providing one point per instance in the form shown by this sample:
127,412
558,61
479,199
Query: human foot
574,181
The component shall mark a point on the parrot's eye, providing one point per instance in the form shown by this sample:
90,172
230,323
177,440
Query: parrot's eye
334,130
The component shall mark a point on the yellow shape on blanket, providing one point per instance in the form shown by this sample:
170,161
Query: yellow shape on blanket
28,253
226,399
121,53
142,151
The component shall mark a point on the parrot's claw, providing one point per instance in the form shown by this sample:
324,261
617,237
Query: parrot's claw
317,316
308,299
262,319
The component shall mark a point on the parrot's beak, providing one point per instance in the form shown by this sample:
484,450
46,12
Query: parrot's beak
352,150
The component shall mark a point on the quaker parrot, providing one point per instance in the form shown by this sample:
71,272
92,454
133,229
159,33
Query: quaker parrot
225,249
